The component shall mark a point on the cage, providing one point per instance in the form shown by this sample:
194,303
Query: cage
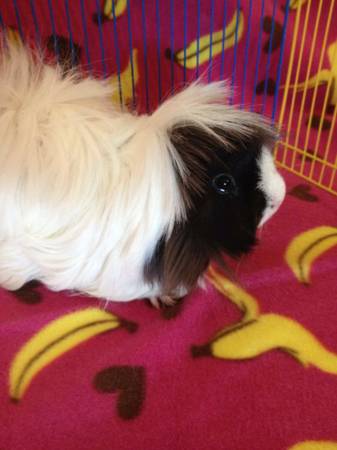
308,110
279,56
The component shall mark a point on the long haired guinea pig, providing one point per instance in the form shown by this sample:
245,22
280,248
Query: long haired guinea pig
121,206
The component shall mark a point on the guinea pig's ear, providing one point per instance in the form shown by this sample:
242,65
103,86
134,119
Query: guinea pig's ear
193,151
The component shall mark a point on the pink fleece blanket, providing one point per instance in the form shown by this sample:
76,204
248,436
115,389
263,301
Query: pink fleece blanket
233,367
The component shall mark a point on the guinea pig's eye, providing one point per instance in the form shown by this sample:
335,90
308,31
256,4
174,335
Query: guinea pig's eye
224,184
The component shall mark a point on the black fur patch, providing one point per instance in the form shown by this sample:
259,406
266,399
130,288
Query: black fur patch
215,223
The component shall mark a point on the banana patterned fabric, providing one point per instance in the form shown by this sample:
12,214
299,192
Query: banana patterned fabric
246,364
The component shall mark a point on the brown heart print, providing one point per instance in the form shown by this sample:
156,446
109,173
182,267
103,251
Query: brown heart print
172,311
129,382
269,84
168,312
302,191
307,156
318,121
277,34
68,54
99,18
28,293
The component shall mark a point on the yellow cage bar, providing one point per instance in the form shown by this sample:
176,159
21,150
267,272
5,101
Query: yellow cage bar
308,111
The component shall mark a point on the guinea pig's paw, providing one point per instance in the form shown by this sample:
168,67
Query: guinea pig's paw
159,302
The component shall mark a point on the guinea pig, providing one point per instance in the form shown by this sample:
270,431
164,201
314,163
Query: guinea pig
118,205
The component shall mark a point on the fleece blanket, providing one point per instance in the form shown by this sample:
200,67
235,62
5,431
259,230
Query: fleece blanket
248,363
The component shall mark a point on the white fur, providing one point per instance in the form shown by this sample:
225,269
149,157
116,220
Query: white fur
86,191
272,185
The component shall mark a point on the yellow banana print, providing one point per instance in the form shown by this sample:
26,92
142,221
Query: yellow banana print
295,4
120,6
305,248
126,80
257,334
323,76
269,332
314,445
242,299
217,38
54,339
